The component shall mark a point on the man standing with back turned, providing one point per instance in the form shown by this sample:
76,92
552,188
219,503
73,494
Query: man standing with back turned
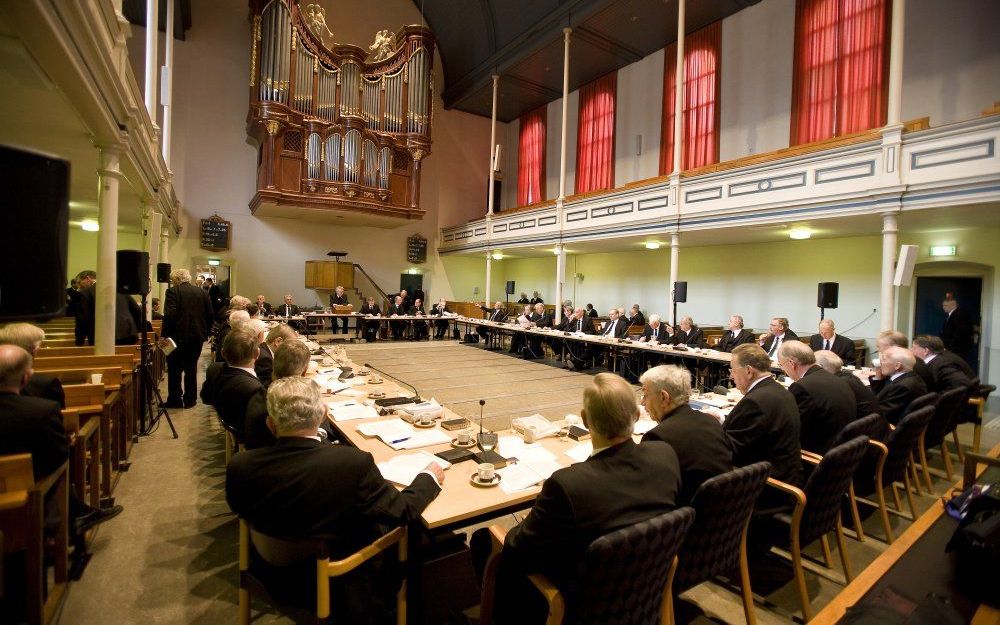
187,318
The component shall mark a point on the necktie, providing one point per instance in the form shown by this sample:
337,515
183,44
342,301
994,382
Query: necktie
826,344
774,347
579,325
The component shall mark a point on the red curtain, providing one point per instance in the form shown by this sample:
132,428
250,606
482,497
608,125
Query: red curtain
841,58
700,103
531,158
595,140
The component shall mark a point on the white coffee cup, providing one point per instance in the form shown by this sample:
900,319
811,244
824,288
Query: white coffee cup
486,472
312,367
572,419
463,438
425,420
96,378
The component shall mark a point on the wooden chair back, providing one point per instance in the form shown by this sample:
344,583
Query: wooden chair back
84,395
110,376
125,362
16,473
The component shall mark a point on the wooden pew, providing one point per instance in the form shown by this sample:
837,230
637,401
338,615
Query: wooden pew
22,517
89,403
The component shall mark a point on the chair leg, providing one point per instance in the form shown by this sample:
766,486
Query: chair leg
748,608
229,446
880,491
827,556
855,516
912,466
95,471
895,497
843,552
244,593
947,462
909,497
800,579
958,447
977,433
923,465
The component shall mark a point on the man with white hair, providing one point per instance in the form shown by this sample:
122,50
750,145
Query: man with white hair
187,319
303,488
895,384
735,335
697,437
655,331
828,339
277,335
826,404
29,338
864,398
688,333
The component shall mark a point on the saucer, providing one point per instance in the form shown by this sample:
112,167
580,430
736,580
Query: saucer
361,372
375,380
474,478
458,445
428,426
376,394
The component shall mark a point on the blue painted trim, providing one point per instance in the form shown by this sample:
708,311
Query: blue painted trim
547,221
500,228
951,148
570,217
688,200
651,203
765,185
818,172
610,211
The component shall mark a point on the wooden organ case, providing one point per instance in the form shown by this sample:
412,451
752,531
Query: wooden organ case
340,131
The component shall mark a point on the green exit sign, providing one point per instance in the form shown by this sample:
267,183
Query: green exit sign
942,250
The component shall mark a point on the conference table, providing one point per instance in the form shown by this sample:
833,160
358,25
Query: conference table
361,320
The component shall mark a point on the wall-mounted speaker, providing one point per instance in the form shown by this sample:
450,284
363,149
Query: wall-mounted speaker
827,294
904,266
163,273
510,287
681,292
133,272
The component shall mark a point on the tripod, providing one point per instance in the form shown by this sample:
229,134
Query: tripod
148,388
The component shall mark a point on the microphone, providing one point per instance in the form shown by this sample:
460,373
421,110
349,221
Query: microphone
482,402
416,396
720,390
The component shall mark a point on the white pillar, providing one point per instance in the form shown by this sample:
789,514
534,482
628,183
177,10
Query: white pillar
152,57
565,113
164,257
107,246
675,248
168,82
153,247
560,279
679,91
493,147
889,246
895,105
489,276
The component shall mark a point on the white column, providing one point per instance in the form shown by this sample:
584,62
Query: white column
889,246
489,276
565,113
895,105
168,82
152,57
164,256
153,247
560,279
675,249
679,91
493,147
107,245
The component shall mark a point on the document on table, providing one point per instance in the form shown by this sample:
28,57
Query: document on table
330,383
642,426
580,452
524,475
332,372
405,468
419,438
515,447
351,410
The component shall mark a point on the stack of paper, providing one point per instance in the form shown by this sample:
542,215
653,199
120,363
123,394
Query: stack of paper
542,426
400,435
332,372
525,475
421,438
351,410
580,452
515,447
403,469
430,409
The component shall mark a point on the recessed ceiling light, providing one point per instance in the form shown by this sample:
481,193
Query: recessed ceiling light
652,245
497,256
800,233
90,225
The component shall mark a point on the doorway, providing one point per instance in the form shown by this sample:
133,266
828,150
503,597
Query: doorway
413,283
929,317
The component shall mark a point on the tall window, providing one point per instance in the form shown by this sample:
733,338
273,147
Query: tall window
595,140
531,158
841,61
700,102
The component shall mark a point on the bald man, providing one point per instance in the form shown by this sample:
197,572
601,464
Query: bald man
828,339
895,384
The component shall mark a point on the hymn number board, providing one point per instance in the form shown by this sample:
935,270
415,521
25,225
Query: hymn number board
416,249
216,233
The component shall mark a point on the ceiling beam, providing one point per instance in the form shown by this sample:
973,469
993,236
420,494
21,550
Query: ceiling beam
607,44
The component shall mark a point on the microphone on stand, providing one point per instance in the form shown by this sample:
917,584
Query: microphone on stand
416,396
482,402
487,440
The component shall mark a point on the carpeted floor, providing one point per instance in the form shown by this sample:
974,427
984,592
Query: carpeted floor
171,556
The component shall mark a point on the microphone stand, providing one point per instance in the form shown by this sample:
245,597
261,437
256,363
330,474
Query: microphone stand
416,396
487,441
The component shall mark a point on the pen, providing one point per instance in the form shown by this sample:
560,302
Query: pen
399,440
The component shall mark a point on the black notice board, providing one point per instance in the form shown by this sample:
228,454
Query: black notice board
216,233
416,249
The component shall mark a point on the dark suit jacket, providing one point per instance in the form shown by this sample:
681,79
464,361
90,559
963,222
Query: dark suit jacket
638,320
842,346
336,300
498,315
45,387
789,336
187,314
729,340
33,425
764,425
692,338
264,309
701,445
302,488
535,300
437,311
257,433
619,330
210,387
286,310
264,365
544,321
948,371
864,398
826,405
232,391
956,332
659,335
587,325
616,488
592,313
922,370
370,310
895,395
392,309
86,313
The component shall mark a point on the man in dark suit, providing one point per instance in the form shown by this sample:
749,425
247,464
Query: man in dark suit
289,309
291,358
420,329
339,298
829,340
619,485
187,319
895,385
735,335
615,326
688,333
86,311
523,299
29,338
525,319
72,298
655,331
397,308
947,370
701,444
957,330
864,398
890,338
778,333
371,327
541,319
264,364
826,403
578,353
302,488
764,425
635,317
441,324
536,298
497,315
237,381
154,306
263,308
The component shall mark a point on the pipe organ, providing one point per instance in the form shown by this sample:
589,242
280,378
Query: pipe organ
340,131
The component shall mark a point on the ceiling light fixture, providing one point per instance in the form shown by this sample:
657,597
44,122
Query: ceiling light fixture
90,225
497,256
652,245
800,233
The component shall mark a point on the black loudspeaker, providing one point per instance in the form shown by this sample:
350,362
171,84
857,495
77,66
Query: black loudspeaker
681,292
827,294
163,273
133,272
33,237
510,287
